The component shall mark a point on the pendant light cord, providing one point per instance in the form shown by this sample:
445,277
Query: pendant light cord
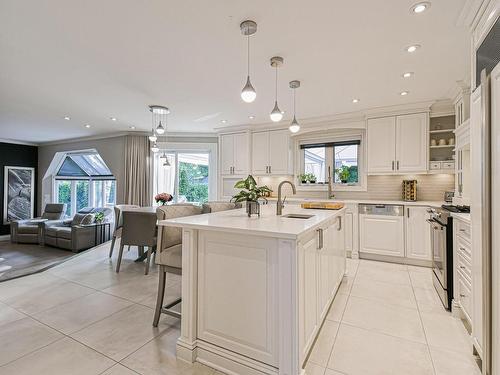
248,55
276,84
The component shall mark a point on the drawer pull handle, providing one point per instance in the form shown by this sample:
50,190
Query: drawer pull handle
462,248
463,295
462,267
462,230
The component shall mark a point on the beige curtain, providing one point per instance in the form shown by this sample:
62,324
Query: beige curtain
138,171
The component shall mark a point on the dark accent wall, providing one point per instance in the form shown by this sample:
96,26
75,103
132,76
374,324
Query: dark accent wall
17,156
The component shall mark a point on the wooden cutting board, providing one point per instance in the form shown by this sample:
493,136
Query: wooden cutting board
323,205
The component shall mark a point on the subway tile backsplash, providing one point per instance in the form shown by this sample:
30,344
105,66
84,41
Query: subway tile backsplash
429,187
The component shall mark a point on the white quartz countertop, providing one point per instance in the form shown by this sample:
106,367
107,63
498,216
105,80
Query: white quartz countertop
298,200
268,224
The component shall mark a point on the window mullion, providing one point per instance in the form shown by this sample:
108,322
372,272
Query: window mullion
73,197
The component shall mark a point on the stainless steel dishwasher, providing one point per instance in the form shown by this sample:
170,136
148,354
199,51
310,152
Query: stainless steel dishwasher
381,230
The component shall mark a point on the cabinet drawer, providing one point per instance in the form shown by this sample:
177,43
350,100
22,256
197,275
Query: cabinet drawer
435,165
463,230
464,247
448,165
464,265
465,295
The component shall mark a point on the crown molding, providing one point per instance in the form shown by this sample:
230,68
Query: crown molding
469,13
91,138
17,142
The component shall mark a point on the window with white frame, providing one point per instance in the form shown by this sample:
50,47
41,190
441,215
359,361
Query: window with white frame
84,180
188,174
341,156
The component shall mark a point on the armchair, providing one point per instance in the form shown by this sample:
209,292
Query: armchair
31,230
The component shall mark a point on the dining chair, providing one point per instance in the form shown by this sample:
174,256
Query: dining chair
119,223
169,253
139,229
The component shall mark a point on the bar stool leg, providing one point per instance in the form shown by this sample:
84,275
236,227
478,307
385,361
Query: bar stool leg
112,246
161,292
148,260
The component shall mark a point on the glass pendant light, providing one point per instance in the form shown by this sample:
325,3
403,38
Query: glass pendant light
294,126
160,129
276,115
158,114
153,137
155,148
248,93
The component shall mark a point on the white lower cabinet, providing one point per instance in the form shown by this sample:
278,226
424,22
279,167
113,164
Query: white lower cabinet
382,235
418,233
321,265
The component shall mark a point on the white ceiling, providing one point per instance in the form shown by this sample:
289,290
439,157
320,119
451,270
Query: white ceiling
93,60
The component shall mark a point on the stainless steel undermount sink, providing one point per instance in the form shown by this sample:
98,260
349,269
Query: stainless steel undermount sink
298,216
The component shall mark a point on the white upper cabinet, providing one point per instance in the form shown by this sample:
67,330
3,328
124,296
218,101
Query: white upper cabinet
397,144
260,153
411,143
418,233
234,151
381,145
271,152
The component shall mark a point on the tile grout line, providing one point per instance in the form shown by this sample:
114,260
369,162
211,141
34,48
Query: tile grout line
422,323
342,317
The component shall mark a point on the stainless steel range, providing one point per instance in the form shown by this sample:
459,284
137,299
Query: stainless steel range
442,250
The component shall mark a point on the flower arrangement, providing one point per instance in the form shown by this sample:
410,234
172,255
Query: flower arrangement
163,198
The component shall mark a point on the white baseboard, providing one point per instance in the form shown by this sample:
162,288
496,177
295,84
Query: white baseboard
5,237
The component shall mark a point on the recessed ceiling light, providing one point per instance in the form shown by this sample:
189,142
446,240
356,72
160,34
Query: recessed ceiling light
87,126
420,7
251,117
112,118
355,100
132,127
404,93
67,118
223,121
407,74
412,48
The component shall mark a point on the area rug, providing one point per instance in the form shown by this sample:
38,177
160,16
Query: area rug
18,260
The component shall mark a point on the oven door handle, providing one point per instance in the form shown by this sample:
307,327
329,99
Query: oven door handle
435,224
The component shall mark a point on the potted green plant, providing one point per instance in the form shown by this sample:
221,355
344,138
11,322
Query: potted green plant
99,217
307,178
312,178
303,178
250,193
343,173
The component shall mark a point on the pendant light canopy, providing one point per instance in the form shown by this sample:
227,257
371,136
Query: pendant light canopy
248,93
158,124
294,126
276,115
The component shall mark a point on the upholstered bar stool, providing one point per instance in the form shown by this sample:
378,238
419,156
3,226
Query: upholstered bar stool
139,229
219,206
169,253
119,223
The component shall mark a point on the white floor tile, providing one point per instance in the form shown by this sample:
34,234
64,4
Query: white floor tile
446,332
392,275
324,343
63,357
346,285
119,370
393,294
338,307
8,314
332,372
22,337
78,314
422,280
11,289
384,318
447,362
53,294
384,266
314,369
361,352
122,333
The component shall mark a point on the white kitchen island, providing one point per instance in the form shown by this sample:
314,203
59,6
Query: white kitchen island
255,291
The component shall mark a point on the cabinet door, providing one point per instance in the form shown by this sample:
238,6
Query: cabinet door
241,150
383,235
349,235
418,233
411,143
309,294
279,152
381,141
260,153
227,153
325,268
